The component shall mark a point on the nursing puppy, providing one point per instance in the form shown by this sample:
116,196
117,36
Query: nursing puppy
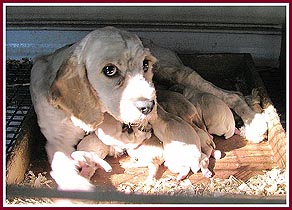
216,115
149,154
181,143
177,104
170,70
121,136
111,138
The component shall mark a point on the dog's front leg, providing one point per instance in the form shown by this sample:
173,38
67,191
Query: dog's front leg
65,171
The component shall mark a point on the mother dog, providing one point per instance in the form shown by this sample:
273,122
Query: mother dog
109,71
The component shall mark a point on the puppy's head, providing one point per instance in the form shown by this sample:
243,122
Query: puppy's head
109,71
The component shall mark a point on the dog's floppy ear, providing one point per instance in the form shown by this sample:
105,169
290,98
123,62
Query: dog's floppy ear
72,92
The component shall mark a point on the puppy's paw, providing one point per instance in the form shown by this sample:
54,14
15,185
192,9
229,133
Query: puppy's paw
236,131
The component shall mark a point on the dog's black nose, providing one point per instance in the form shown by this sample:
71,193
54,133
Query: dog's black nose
145,106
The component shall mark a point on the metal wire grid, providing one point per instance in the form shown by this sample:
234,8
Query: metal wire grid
18,101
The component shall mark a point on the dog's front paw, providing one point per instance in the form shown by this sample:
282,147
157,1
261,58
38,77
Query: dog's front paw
90,159
256,130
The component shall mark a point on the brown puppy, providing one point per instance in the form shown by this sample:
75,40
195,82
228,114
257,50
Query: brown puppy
113,133
111,138
170,70
216,115
182,146
177,104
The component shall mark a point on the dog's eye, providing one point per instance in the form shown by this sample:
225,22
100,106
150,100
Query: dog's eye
110,70
145,65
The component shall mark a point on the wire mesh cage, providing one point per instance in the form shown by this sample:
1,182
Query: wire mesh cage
18,101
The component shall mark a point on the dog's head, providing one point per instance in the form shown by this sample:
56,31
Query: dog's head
108,71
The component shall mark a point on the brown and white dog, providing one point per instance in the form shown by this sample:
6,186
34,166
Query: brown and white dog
108,71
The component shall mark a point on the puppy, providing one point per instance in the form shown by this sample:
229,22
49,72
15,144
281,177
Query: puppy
149,154
121,136
177,104
182,146
111,138
216,115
